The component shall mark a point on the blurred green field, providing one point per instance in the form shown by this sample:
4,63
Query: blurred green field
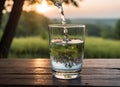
29,47
102,48
36,47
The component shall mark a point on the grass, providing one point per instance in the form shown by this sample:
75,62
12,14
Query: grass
29,47
36,47
101,48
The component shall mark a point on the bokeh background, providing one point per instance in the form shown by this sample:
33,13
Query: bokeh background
30,39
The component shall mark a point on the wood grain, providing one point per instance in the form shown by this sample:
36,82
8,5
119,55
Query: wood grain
37,72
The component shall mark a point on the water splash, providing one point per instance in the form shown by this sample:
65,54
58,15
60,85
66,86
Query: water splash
58,4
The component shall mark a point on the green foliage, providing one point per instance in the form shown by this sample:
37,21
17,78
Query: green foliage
93,30
5,18
35,47
117,30
101,48
1,33
32,24
107,33
29,47
73,2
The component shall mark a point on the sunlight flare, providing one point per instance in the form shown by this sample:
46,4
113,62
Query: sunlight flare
43,7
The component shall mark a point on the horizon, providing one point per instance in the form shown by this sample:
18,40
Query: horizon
88,18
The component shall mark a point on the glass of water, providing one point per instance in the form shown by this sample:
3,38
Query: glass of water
66,44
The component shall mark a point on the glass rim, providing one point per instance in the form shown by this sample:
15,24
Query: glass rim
66,26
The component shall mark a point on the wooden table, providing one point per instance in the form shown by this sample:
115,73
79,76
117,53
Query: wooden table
37,72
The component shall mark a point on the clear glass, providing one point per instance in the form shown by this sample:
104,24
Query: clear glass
66,44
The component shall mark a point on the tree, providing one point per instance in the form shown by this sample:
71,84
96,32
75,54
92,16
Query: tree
93,30
117,30
2,2
10,28
11,25
32,24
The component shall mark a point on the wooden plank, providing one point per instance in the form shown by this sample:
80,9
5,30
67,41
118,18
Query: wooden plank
25,63
46,63
49,77
35,70
95,72
49,80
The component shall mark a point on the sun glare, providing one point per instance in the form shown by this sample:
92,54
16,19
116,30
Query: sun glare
43,7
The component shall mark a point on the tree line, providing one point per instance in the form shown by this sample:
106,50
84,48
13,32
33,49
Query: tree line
34,24
104,31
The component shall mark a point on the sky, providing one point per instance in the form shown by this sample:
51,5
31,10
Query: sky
88,9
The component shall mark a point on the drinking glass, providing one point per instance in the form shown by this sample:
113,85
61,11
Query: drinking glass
66,43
